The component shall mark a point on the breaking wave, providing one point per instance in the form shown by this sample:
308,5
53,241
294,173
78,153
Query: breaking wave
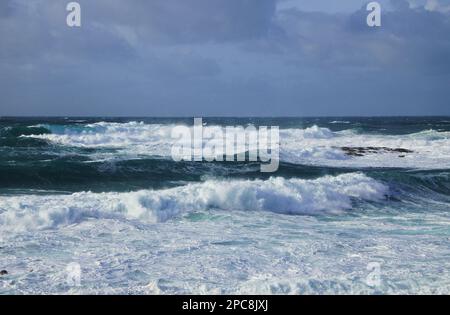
327,194
309,146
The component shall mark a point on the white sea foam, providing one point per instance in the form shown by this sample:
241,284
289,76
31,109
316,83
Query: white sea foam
109,135
340,122
320,146
239,252
279,195
227,236
311,146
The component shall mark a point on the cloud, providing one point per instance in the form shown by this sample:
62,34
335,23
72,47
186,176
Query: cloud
187,21
436,5
5,8
171,57
410,39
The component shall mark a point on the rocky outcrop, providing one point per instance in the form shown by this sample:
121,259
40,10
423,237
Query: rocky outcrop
362,151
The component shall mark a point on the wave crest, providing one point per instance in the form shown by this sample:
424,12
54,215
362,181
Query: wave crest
310,146
286,196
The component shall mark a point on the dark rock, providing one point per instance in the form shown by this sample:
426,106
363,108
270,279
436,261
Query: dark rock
361,151
3,272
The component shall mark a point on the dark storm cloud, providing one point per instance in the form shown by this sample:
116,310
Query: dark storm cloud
223,57
416,39
5,8
187,21
409,39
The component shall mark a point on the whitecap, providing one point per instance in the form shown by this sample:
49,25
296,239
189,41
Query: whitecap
327,194
310,146
340,122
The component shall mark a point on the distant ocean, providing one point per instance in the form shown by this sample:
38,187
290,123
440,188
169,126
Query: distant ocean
358,205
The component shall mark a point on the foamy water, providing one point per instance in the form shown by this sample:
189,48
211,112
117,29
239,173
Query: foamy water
311,146
286,196
107,197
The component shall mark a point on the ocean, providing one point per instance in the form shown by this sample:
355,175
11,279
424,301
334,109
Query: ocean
357,206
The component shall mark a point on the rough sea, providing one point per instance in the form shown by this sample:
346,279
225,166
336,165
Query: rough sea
358,205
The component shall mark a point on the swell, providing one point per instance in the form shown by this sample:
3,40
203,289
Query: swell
417,184
16,136
74,173
21,130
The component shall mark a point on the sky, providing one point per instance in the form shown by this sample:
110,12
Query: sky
224,58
